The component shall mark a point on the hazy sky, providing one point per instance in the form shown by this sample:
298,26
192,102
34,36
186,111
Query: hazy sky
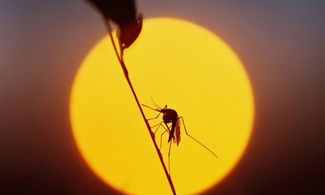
281,44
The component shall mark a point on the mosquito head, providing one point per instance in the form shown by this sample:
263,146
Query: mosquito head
164,109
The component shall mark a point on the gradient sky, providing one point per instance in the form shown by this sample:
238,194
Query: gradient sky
281,44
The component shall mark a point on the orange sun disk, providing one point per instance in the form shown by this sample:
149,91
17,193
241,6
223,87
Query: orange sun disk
174,62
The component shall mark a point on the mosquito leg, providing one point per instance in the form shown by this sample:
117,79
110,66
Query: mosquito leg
197,141
161,138
153,117
159,124
166,130
170,146
154,110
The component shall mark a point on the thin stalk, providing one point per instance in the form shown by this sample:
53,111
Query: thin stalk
152,135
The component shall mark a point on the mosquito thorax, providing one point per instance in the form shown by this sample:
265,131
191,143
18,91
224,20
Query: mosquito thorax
169,115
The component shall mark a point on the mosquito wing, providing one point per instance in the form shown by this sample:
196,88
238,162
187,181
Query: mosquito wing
177,132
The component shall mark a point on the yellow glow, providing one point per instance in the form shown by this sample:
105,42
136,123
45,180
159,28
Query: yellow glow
177,63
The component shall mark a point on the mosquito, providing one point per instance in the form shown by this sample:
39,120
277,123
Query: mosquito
171,116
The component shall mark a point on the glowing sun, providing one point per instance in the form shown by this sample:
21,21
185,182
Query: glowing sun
173,62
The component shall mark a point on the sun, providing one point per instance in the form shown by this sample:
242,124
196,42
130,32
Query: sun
175,63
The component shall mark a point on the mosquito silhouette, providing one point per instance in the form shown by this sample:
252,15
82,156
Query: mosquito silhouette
171,116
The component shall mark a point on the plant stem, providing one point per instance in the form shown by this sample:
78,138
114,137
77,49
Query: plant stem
152,135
